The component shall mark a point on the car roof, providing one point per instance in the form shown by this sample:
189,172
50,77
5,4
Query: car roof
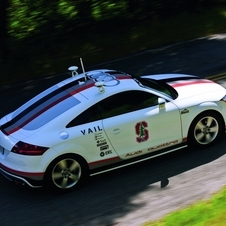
112,82
83,84
65,95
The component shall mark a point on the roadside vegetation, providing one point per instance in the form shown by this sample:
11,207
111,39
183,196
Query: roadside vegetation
211,212
204,213
45,38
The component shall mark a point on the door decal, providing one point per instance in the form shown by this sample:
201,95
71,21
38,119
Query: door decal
141,131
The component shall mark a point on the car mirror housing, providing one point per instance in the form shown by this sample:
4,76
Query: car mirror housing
161,103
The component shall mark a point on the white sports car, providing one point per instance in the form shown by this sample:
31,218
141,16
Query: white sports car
101,120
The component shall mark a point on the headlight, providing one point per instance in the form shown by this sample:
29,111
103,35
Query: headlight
224,99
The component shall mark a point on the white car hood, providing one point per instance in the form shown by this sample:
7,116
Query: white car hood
200,88
197,92
191,89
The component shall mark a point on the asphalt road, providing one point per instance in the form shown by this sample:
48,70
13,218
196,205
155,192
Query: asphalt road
132,195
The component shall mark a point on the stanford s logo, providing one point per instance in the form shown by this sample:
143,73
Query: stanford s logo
141,131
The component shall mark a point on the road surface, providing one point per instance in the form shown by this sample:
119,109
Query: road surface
129,196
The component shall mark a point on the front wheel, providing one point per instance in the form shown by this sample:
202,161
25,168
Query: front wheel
65,173
205,130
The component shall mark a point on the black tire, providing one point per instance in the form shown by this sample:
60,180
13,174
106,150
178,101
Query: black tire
65,173
205,130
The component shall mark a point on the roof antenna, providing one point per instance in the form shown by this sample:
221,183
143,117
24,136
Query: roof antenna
73,70
83,69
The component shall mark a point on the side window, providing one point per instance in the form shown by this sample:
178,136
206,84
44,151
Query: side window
89,115
126,102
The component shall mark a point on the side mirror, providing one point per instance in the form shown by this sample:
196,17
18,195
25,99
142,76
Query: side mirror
161,103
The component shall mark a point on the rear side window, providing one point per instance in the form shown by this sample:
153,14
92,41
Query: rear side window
89,115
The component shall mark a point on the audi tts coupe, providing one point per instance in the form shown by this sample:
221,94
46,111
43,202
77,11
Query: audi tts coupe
102,120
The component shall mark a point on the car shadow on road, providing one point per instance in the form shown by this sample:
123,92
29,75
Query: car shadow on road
114,195
107,197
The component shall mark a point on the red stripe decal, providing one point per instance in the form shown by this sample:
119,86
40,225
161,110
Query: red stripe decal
190,83
49,106
20,173
103,162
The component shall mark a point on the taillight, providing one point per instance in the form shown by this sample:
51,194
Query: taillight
28,149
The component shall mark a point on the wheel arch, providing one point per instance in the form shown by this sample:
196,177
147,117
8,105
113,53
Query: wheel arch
66,155
210,112
77,180
195,111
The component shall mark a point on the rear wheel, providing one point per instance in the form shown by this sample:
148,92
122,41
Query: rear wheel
205,130
65,173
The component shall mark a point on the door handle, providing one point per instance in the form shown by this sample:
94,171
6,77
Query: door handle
116,131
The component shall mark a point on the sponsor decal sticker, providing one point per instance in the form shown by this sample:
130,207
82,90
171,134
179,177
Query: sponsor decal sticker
162,145
133,153
101,141
101,144
98,136
141,131
105,147
91,130
103,153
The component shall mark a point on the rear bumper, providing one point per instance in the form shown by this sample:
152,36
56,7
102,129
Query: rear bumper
21,180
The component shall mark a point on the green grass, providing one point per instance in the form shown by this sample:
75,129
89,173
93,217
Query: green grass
43,58
205,213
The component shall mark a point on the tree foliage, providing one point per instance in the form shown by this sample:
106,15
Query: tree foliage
28,18
3,29
33,33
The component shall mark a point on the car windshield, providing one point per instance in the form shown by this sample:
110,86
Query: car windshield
159,86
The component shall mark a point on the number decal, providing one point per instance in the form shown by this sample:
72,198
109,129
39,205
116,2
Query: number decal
141,131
